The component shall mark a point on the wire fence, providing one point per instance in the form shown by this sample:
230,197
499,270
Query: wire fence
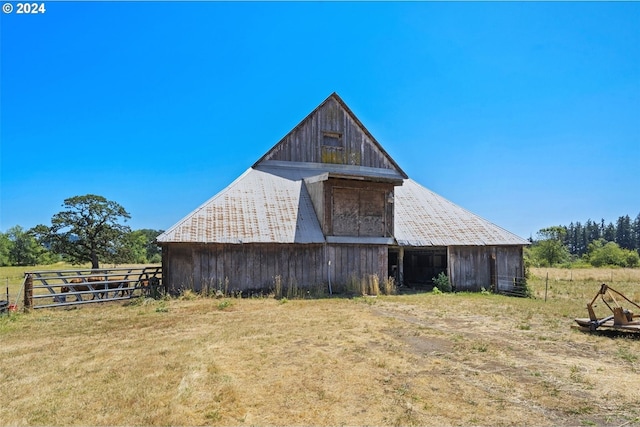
512,286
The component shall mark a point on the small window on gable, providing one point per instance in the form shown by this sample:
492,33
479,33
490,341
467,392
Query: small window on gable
332,139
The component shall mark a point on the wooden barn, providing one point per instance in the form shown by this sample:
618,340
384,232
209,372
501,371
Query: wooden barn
328,205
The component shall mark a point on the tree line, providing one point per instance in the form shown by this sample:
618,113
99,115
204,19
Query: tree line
594,243
89,229
625,232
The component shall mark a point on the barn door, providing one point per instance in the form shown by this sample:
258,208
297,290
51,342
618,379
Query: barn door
372,205
358,212
346,208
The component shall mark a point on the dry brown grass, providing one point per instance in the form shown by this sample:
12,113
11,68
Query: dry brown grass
610,276
464,359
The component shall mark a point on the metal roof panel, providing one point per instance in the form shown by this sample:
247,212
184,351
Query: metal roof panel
423,218
257,207
265,207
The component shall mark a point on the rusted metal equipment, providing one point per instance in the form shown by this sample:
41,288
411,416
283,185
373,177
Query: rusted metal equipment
621,318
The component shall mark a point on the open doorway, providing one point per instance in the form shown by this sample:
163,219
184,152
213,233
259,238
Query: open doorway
416,268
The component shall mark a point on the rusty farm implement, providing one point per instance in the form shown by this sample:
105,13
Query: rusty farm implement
620,319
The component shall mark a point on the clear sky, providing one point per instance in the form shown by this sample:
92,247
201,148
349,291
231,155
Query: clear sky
527,114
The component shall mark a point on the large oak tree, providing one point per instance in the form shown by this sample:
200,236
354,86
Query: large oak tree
89,229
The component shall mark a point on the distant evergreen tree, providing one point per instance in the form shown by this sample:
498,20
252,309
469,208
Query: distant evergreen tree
609,233
624,233
569,238
584,239
592,231
578,239
580,242
636,233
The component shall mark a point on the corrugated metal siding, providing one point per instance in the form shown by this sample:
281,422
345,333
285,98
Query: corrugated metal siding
258,207
423,218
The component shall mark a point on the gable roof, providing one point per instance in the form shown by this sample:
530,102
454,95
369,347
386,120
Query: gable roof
303,142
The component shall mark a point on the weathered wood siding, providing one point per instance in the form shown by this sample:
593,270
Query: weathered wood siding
206,267
509,265
330,135
353,208
470,267
316,192
350,262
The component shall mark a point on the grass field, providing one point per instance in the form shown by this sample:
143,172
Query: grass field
422,359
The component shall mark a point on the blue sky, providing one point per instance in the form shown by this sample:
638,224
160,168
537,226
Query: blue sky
527,114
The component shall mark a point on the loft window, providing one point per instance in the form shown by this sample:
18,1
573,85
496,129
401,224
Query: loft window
332,150
332,139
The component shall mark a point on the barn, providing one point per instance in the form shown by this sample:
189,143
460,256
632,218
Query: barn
325,206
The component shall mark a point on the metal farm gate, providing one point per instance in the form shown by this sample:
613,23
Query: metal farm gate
46,289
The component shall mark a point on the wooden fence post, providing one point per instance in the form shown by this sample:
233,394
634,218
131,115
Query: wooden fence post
546,287
28,292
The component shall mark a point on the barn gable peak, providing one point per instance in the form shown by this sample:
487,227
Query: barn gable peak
331,135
